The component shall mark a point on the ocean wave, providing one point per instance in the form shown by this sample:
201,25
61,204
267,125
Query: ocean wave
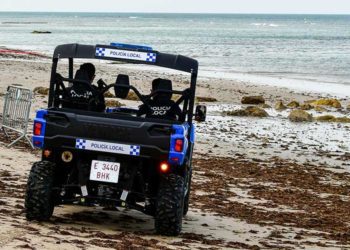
24,22
265,24
133,17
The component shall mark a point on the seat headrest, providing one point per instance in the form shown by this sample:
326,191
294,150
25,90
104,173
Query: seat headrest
122,80
162,84
120,89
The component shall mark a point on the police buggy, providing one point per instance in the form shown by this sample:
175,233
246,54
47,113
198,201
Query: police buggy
137,158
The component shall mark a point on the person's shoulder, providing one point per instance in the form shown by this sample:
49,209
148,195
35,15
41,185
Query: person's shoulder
168,102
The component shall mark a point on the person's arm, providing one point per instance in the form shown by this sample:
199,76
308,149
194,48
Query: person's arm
175,111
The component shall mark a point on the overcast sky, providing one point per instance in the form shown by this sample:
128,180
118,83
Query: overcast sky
192,6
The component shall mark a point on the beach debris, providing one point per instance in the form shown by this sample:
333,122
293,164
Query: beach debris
205,99
249,111
41,32
4,52
293,104
132,97
276,234
264,106
108,94
279,106
348,107
306,106
113,103
343,119
41,90
325,118
299,115
320,109
331,118
327,102
175,97
310,101
253,100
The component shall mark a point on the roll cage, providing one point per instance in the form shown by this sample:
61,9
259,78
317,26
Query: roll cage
134,55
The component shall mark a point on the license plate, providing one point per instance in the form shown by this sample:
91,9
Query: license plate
105,171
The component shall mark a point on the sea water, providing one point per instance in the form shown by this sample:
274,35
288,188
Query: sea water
305,47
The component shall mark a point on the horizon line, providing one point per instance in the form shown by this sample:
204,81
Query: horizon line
149,12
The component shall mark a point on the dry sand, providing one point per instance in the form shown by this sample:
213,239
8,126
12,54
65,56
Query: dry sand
258,183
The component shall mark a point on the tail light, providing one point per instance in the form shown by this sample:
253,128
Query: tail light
179,145
164,167
37,128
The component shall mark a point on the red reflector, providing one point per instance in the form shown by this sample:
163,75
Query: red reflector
179,143
164,167
37,143
175,159
46,153
37,128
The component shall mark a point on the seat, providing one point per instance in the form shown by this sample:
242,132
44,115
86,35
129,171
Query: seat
121,86
162,84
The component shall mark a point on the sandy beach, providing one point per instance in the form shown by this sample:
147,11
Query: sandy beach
259,182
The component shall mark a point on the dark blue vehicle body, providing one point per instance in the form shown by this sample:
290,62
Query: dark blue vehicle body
180,131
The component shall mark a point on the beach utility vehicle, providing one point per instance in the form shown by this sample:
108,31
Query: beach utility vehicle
138,158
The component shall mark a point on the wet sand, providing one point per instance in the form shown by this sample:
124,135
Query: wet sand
259,183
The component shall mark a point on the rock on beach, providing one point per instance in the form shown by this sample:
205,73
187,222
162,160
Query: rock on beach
306,106
293,104
279,106
300,116
41,90
327,102
249,111
331,118
253,100
41,32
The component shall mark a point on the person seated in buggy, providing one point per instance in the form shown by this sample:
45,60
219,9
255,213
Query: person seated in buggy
83,94
161,106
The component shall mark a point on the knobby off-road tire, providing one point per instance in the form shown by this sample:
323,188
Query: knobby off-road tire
170,205
187,196
39,202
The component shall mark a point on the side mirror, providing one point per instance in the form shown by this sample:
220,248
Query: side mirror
122,86
201,113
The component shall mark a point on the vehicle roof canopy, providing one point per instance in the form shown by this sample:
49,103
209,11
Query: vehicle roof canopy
131,55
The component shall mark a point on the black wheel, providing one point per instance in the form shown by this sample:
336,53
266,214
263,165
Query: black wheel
187,196
39,201
150,209
170,205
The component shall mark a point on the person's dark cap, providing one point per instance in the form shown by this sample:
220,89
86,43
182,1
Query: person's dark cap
89,68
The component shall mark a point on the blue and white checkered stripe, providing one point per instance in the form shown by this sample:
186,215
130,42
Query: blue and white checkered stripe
135,150
80,143
151,57
83,144
100,51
